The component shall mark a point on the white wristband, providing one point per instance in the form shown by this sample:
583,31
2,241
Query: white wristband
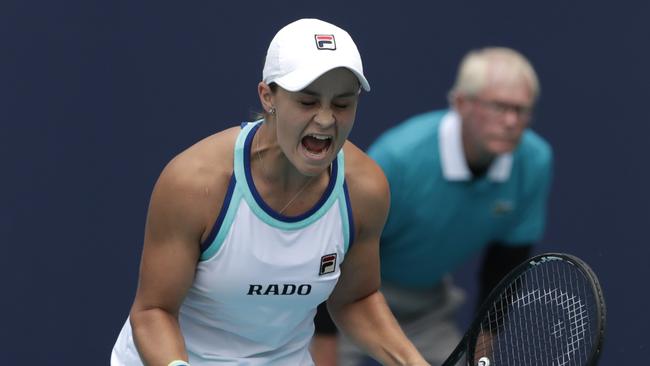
178,363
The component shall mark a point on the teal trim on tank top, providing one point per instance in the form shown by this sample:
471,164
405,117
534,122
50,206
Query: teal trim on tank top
241,190
225,225
345,220
343,207
242,187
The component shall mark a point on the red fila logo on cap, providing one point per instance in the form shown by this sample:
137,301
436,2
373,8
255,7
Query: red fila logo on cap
327,264
325,41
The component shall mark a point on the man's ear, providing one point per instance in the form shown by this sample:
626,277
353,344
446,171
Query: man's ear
456,100
266,96
460,103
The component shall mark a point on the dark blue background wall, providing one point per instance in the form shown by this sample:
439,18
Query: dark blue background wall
95,97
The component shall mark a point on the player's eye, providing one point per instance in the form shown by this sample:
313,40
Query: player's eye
343,103
307,103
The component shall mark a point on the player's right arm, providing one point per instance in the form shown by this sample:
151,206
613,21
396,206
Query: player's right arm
356,305
181,211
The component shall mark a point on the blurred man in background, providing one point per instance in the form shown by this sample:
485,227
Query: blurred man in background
462,180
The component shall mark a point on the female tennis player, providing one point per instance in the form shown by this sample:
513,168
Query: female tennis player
251,228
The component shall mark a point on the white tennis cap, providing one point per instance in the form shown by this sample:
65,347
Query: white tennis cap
304,50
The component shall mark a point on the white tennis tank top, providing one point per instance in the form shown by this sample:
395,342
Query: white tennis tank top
261,275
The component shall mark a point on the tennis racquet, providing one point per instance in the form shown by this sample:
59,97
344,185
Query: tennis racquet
548,311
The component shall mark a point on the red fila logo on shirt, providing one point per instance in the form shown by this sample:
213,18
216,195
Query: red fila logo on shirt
325,41
327,264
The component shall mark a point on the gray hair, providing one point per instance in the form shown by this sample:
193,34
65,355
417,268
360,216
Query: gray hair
473,71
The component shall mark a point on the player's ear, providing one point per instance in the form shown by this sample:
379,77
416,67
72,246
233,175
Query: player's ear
266,96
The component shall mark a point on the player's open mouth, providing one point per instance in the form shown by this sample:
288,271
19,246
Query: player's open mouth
316,145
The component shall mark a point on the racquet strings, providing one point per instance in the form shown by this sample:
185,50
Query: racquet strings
546,316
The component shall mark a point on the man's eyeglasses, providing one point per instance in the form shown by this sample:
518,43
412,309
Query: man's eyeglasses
501,108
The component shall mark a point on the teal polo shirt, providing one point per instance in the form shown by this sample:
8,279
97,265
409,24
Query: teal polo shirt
440,214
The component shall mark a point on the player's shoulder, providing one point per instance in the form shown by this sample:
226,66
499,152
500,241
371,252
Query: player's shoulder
206,165
365,179
368,189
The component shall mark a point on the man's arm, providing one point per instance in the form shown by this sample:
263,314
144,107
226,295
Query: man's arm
498,261
503,255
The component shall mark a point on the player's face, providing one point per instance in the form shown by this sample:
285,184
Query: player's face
314,123
496,118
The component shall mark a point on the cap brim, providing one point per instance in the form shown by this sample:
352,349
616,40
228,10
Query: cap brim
301,78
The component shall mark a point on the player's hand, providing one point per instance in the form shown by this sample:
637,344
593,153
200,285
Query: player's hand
483,351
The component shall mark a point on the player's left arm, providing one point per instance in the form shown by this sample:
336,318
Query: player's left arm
356,305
